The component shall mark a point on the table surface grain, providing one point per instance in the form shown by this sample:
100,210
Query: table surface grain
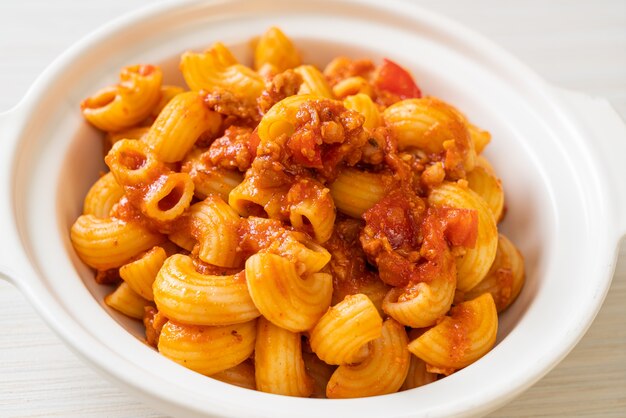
579,45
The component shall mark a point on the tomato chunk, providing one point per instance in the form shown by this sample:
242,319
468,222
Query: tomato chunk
305,150
395,79
461,226
397,218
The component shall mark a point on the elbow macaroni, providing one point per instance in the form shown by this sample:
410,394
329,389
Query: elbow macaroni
161,194
475,263
483,180
208,349
356,191
424,303
345,329
310,204
363,104
127,301
214,225
461,338
128,103
278,361
190,297
282,296
434,126
304,233
109,243
383,370
141,273
218,69
276,51
313,82
505,278
179,125
101,197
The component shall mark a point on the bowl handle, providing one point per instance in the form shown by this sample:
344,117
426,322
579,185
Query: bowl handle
12,257
605,133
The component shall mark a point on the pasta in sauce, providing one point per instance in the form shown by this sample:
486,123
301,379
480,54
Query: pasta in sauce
297,231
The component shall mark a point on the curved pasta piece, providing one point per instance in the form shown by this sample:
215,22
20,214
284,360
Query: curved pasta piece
383,371
461,338
209,180
168,197
483,180
319,371
424,123
162,195
344,329
311,209
375,289
313,82
275,50
109,243
363,104
222,54
308,256
167,94
128,103
282,296
422,304
417,375
473,266
207,350
214,225
279,120
125,300
250,198
132,163
354,191
141,273
480,137
505,278
353,86
101,197
178,126
216,68
271,236
187,296
278,361
182,236
433,126
241,375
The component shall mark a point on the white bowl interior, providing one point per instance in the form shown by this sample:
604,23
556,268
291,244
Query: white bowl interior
61,157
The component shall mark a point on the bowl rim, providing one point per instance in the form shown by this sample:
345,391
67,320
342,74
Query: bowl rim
83,343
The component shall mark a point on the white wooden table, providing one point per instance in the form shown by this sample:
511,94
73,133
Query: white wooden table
579,45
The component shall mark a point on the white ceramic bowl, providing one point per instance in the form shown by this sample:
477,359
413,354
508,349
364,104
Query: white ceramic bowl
558,154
